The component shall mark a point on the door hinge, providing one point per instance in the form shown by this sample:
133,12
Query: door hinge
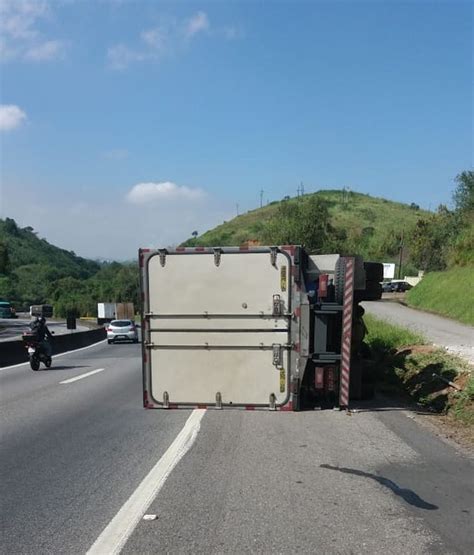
277,309
277,355
217,256
273,255
163,253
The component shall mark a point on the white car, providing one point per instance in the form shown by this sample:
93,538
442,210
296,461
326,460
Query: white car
122,330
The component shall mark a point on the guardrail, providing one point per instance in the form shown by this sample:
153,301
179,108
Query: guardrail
14,352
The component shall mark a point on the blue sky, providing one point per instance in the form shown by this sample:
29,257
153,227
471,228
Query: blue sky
127,124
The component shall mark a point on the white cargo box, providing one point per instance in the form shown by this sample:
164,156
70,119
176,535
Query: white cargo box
217,327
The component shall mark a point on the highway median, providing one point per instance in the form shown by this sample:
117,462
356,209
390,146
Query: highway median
14,352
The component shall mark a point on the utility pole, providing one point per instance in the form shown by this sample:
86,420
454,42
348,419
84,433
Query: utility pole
302,189
298,191
261,197
237,207
401,257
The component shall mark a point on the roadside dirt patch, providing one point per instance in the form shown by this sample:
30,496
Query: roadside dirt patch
438,382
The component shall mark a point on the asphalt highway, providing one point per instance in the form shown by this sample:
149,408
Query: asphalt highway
81,458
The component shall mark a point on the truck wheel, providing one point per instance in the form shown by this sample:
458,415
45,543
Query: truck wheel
339,280
109,341
373,271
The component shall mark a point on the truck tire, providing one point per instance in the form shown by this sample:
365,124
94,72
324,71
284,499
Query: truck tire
373,271
339,280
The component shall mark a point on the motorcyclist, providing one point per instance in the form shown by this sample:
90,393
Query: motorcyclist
43,334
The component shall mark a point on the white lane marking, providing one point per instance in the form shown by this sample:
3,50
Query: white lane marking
56,356
86,375
120,528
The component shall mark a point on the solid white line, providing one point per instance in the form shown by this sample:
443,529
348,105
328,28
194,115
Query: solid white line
116,534
55,356
86,375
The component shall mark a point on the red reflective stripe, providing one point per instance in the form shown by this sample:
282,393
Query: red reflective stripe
243,248
180,249
297,312
145,250
172,406
297,347
249,407
199,249
202,406
346,333
288,407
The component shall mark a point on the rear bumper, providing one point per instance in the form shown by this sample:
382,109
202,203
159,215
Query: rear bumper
130,336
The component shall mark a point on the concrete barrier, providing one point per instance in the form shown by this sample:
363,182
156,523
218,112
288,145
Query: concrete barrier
14,352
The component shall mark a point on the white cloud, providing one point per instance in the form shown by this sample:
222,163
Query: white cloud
22,39
11,117
45,51
155,38
144,193
197,24
167,38
121,56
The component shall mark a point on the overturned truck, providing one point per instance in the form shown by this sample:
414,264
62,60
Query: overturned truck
254,328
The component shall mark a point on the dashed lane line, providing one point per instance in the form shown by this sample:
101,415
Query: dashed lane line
82,376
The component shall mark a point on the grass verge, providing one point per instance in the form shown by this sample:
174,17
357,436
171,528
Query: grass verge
450,293
408,364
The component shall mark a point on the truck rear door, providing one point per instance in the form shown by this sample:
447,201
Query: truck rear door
216,327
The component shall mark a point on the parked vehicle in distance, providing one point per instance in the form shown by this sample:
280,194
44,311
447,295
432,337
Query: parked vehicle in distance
122,330
45,310
7,310
400,286
387,287
396,286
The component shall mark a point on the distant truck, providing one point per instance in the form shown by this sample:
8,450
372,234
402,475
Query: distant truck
106,312
254,327
45,310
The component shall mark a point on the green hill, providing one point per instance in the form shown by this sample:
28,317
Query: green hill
357,223
25,248
29,265
34,271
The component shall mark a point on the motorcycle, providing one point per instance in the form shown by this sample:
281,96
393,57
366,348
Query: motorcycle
36,353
